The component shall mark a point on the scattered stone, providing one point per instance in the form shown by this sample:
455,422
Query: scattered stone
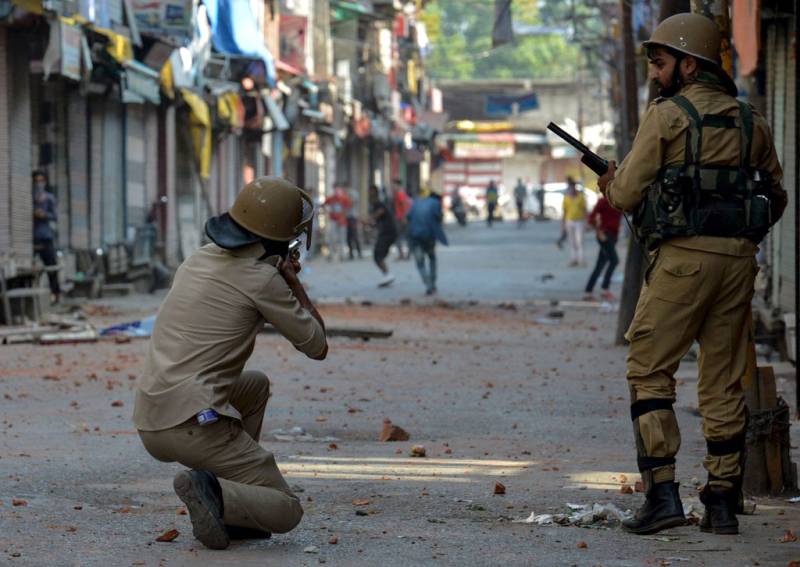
168,535
392,432
417,451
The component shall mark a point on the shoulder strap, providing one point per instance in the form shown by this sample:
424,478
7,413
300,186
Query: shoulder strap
746,117
694,134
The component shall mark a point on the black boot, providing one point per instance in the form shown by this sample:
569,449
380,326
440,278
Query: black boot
662,509
720,515
202,494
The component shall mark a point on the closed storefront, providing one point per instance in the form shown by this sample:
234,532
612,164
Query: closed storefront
16,204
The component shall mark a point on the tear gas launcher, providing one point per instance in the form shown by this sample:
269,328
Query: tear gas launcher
588,157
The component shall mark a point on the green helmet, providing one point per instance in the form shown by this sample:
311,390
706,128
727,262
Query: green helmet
267,208
695,35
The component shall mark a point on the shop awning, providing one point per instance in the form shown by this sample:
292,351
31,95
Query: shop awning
200,124
140,84
234,30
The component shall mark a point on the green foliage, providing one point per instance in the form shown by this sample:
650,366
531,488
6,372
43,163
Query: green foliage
461,34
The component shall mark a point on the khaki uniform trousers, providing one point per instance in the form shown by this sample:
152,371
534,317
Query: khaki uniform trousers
254,493
691,295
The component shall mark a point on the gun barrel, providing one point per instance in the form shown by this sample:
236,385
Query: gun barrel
574,142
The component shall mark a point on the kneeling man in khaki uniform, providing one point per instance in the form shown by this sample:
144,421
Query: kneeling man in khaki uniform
194,403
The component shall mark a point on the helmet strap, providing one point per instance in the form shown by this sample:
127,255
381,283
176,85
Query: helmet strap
273,248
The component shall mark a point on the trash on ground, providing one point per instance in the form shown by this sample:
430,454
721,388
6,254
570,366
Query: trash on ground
311,549
794,500
392,432
140,328
499,488
582,515
297,433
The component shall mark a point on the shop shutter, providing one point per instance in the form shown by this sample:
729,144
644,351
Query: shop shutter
78,152
5,174
19,122
136,194
96,171
113,203
151,155
786,299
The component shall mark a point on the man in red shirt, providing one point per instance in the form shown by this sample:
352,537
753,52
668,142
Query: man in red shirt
337,207
401,203
605,220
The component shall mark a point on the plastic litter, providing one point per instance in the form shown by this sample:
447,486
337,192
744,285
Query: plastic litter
583,515
140,328
297,433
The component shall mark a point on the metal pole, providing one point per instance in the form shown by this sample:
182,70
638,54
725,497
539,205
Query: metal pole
796,210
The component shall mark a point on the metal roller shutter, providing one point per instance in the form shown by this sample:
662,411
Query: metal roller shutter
5,174
136,188
77,132
786,299
19,122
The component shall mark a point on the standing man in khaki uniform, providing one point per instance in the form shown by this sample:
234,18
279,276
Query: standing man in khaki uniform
704,184
194,403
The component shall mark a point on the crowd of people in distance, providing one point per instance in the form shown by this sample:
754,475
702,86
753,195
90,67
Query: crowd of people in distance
414,227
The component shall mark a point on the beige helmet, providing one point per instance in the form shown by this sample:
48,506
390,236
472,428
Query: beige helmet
692,34
268,207
695,35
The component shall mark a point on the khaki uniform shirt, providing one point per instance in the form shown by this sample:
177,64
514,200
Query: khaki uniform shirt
661,141
206,330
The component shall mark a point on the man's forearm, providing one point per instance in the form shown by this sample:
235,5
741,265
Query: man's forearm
300,293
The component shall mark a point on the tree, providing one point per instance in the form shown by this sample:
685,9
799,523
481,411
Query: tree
461,35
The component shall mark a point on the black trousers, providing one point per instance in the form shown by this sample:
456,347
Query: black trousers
46,249
606,258
353,242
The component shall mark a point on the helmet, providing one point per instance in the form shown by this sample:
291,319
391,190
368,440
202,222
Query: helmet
268,207
692,34
695,35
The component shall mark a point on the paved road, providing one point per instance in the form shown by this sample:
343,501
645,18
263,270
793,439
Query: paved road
481,264
493,393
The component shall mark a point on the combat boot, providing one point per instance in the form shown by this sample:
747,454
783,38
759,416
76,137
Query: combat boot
720,514
202,494
662,509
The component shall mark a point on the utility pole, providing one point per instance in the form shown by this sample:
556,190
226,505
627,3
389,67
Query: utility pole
630,123
635,264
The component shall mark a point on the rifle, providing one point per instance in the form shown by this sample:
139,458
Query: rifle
589,158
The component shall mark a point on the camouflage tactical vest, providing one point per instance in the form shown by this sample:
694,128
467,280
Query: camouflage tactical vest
691,199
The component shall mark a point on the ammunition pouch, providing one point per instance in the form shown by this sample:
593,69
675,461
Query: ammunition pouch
691,199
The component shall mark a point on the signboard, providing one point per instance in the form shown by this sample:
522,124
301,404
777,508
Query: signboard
483,150
164,17
504,105
71,43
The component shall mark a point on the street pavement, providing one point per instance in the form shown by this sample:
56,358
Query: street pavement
495,390
482,264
